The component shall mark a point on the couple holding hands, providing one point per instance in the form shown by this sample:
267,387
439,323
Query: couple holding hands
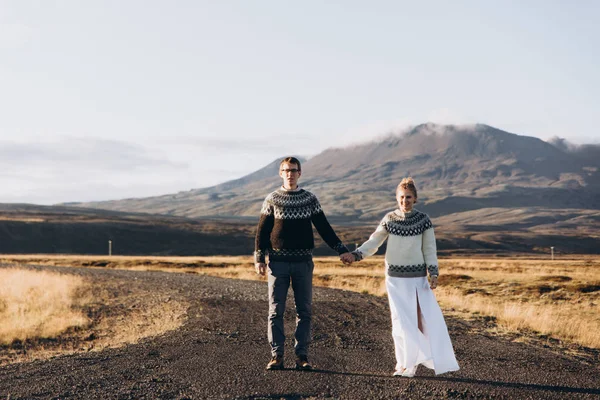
285,233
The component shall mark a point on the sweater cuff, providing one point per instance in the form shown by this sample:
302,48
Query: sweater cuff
358,255
433,270
259,256
340,248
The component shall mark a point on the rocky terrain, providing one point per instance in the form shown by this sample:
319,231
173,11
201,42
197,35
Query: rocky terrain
221,350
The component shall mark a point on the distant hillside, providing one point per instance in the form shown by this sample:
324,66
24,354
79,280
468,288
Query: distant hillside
457,169
27,229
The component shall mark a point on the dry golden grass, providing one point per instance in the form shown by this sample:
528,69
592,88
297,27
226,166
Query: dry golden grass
143,263
575,323
557,298
39,304
37,307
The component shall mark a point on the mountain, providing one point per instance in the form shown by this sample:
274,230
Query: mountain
457,169
588,153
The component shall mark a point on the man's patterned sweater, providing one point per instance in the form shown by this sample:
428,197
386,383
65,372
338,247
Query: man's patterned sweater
411,250
285,227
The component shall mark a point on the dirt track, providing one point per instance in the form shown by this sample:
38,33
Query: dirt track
221,352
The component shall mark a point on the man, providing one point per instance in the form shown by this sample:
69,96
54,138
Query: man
285,233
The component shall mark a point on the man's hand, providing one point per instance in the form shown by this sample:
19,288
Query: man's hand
261,268
433,281
347,258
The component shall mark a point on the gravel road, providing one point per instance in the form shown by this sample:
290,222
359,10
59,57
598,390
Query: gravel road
221,352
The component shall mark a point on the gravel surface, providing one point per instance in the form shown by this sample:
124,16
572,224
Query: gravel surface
221,353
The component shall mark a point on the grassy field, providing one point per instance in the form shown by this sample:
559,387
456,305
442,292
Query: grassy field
44,314
554,299
37,304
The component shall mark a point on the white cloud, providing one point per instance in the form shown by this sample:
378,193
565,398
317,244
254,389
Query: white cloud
244,144
373,130
446,116
585,139
14,35
69,154
54,191
75,169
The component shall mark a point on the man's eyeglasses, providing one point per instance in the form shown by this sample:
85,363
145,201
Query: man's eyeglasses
293,171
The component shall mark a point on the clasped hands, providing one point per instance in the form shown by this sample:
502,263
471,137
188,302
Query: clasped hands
347,258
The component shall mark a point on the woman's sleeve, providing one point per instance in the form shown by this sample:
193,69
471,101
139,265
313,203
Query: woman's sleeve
375,241
430,252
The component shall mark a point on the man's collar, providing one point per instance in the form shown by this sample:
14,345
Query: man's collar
291,190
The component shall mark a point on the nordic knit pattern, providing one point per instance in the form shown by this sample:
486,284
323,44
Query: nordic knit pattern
285,227
411,250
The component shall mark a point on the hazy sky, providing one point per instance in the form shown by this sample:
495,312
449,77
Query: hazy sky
112,99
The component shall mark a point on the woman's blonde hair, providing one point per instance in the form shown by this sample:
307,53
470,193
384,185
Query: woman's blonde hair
407,183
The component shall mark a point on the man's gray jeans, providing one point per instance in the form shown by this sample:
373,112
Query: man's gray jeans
280,275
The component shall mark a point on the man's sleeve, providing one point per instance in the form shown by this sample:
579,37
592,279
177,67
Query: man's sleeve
325,230
262,242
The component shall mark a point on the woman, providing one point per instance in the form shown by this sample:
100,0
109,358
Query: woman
418,328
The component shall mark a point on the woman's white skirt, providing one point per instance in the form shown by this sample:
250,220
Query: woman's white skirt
432,346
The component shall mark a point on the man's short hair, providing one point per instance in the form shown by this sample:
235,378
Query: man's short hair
291,160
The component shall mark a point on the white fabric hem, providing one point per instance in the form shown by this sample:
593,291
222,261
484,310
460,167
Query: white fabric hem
430,347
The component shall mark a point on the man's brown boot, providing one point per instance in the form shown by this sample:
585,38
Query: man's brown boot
303,364
275,363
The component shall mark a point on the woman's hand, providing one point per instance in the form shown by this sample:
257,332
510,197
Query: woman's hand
433,280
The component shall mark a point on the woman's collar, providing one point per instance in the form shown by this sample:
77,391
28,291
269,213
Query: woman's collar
403,214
